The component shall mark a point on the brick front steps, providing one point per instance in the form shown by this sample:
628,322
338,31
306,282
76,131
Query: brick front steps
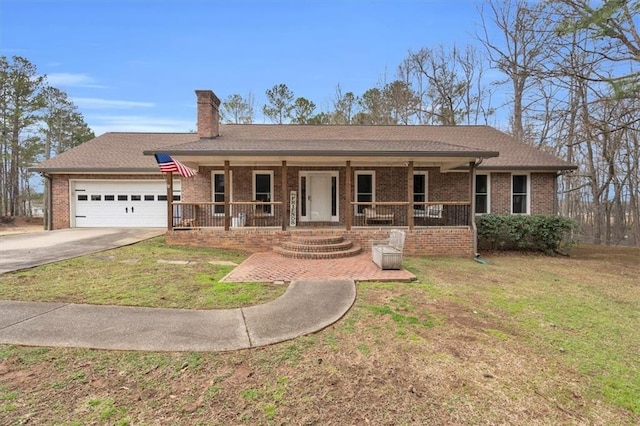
304,247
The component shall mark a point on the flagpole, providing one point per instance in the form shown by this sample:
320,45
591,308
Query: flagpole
169,178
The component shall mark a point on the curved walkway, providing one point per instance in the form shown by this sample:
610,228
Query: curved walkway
306,307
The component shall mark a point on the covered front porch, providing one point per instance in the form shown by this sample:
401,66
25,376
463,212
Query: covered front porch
257,207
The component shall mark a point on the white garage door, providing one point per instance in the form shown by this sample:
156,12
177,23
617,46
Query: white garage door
128,204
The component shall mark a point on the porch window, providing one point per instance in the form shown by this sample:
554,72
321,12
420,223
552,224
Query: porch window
420,185
520,194
263,188
365,189
482,194
217,184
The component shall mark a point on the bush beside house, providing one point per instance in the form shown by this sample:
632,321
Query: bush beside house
545,233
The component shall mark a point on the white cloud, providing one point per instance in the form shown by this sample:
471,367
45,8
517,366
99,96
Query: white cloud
71,80
136,123
98,103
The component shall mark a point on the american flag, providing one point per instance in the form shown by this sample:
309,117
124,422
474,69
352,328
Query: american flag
169,165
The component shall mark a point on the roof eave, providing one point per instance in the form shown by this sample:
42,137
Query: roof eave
77,170
529,167
321,153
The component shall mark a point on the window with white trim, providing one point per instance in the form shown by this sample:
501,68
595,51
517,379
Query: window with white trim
263,188
365,189
520,194
482,194
420,189
217,187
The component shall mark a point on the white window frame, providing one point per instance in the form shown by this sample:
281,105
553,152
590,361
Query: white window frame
488,175
424,173
253,184
357,173
213,188
528,193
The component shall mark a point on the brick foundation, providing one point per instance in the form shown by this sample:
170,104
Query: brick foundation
454,241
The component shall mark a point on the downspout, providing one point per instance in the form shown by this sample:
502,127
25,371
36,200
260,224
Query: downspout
556,202
48,202
474,166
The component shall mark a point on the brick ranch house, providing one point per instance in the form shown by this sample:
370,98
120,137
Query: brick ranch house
260,185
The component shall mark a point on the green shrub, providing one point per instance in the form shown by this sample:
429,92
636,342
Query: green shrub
544,233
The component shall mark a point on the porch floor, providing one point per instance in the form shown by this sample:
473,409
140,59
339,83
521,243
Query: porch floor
270,267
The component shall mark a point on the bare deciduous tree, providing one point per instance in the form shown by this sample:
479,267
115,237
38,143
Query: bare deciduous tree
520,53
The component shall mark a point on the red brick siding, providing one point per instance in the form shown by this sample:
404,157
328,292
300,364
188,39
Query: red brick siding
391,184
60,202
500,193
543,193
197,187
452,186
419,242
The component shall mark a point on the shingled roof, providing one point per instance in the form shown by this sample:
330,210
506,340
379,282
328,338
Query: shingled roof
123,152
114,152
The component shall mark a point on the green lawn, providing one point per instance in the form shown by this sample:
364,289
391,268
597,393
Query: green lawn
527,339
132,276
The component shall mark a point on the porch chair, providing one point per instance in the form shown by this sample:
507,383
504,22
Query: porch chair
261,216
378,215
387,254
431,211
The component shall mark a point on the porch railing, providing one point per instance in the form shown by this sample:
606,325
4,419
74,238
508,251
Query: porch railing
406,214
269,214
242,214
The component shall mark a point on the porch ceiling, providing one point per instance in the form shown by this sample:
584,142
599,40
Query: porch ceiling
445,163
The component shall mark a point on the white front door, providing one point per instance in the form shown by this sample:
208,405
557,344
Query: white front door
319,196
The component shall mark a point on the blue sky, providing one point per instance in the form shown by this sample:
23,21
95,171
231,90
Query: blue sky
134,65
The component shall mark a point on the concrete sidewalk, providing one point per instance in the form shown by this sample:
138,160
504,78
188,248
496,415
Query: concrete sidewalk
306,307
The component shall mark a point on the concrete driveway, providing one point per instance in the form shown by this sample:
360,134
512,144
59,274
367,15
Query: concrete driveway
33,249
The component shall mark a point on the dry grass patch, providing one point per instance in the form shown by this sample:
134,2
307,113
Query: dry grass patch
468,344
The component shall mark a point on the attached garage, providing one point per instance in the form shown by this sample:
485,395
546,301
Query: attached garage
109,182
120,203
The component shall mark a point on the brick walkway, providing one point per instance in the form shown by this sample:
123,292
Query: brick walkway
270,267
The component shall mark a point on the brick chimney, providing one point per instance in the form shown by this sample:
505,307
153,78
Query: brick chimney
208,114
